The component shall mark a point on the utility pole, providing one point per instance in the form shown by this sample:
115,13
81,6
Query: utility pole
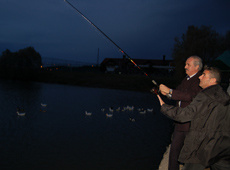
98,57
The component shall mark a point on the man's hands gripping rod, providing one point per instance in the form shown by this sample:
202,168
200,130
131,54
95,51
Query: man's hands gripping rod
156,91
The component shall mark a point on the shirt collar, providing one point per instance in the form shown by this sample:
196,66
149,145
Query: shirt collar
188,77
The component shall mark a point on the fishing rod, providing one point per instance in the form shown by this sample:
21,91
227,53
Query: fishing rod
122,51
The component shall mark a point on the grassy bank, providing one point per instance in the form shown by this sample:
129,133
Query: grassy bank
89,77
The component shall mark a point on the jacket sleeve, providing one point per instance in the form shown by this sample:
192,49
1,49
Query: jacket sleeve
185,96
183,114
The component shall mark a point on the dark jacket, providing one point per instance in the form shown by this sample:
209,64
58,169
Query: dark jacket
208,140
185,93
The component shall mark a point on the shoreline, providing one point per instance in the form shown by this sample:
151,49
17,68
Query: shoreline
164,162
92,77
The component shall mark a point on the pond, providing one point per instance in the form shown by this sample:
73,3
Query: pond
124,130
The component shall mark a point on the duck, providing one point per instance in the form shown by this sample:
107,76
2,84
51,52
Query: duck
130,108
132,119
111,109
43,104
142,112
109,114
149,110
20,111
140,109
123,109
88,113
118,109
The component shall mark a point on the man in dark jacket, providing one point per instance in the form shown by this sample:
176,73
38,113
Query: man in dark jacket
208,140
183,94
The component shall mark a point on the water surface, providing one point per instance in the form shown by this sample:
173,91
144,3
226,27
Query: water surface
61,136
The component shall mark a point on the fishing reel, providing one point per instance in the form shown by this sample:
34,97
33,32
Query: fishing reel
155,90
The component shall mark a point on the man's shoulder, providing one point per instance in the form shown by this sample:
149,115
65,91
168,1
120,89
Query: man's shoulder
192,81
196,76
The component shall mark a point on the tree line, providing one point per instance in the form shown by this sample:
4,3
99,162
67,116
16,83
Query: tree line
202,41
23,64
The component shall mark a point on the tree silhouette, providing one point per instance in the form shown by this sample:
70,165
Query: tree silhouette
203,42
21,64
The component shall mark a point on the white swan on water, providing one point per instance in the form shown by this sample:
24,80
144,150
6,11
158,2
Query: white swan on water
142,112
20,111
88,113
132,119
111,109
149,110
109,114
43,104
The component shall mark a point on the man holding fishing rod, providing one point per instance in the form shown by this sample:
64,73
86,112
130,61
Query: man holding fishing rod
183,94
208,140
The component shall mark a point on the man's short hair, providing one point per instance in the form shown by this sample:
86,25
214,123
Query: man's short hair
214,73
197,61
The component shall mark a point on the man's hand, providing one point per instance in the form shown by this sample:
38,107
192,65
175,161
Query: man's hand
164,89
160,100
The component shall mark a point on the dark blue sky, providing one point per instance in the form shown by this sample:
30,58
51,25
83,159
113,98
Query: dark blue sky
142,28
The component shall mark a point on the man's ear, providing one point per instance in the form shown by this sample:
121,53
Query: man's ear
213,80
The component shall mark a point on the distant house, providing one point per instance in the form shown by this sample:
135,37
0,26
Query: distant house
124,65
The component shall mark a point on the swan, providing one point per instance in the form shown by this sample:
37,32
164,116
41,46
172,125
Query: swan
109,115
88,113
43,104
111,109
143,112
118,109
20,111
149,110
132,119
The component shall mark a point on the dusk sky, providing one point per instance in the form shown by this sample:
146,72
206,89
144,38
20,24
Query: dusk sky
142,28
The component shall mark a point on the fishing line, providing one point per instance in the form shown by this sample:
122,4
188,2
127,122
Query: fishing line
122,51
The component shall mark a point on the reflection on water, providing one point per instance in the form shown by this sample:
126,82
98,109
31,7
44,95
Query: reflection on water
61,136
